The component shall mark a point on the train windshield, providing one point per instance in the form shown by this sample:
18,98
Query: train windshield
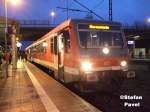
98,38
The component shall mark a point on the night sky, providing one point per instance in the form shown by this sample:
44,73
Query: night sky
125,11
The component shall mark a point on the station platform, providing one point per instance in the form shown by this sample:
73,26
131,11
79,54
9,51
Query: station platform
17,93
28,89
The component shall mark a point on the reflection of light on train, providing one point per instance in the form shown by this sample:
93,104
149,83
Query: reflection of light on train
82,51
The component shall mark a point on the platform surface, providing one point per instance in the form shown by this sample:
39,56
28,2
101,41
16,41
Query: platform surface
28,89
17,93
56,97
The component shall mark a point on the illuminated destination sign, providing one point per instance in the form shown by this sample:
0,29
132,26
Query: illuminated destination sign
99,27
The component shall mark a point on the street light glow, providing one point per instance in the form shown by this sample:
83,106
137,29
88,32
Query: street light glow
18,44
148,19
17,38
52,14
14,2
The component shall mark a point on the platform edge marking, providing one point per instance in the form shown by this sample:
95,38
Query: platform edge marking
47,102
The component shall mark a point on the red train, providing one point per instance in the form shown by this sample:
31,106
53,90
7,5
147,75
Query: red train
86,52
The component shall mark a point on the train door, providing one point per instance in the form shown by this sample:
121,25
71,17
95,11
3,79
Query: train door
61,57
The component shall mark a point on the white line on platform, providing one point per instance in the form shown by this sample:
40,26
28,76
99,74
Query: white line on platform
49,105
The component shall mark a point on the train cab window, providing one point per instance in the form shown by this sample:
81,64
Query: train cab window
66,40
52,45
106,38
83,38
55,45
95,39
89,39
117,40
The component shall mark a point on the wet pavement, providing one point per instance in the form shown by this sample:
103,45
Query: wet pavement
17,93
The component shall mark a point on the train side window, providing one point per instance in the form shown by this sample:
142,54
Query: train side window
67,41
35,49
44,46
55,45
40,48
52,45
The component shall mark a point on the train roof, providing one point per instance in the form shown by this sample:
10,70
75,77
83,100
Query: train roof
75,21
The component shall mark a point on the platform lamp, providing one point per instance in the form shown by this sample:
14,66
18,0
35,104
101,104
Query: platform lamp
148,20
18,44
5,2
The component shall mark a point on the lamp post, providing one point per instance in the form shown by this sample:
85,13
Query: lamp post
13,31
6,29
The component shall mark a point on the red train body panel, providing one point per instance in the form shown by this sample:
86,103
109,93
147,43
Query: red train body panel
78,49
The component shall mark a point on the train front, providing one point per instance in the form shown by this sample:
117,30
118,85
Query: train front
103,54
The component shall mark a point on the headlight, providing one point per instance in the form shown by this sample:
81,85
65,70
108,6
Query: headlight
123,63
105,50
86,66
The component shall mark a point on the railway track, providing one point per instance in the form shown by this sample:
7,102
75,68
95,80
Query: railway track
111,102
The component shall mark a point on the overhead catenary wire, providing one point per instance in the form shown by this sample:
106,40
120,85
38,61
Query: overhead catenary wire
71,9
90,11
98,4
